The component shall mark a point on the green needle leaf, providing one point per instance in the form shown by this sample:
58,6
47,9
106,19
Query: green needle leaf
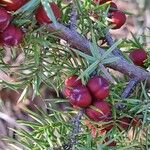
49,11
91,67
87,57
107,53
32,4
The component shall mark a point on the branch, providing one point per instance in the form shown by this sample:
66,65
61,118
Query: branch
75,121
75,39
127,91
73,18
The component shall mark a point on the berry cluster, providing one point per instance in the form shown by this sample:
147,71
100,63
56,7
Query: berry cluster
79,95
11,35
116,17
92,98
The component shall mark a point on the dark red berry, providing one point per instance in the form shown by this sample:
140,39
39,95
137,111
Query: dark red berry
99,87
138,56
13,5
42,17
124,122
101,1
11,36
100,112
80,96
5,18
113,143
72,81
117,19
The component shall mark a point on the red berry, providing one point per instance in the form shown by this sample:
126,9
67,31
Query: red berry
13,5
80,96
101,1
113,143
99,87
117,19
72,81
124,122
102,113
42,17
138,56
5,18
11,36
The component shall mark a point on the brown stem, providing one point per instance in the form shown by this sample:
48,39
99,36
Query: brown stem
73,18
128,89
126,92
75,39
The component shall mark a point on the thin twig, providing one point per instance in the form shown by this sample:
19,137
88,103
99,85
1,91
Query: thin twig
73,18
128,89
75,121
